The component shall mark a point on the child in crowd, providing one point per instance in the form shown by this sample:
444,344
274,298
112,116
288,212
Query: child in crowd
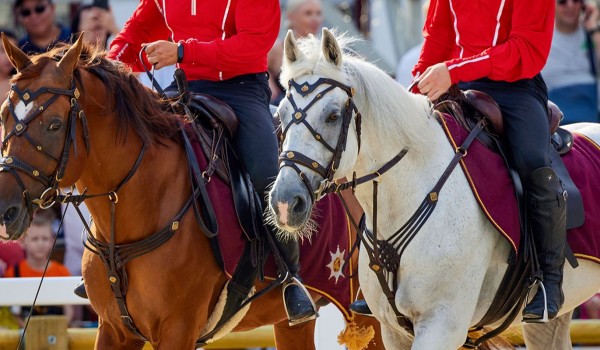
38,244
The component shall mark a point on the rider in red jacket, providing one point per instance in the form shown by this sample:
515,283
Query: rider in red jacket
222,46
499,47
502,40
220,39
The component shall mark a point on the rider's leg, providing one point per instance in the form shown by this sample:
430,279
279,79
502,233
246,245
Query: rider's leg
524,106
256,145
546,206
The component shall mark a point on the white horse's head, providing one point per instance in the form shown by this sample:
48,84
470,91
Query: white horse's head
320,125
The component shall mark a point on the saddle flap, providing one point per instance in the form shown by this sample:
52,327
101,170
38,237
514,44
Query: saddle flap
486,105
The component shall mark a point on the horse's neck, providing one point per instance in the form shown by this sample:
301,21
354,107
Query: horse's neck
402,188
149,199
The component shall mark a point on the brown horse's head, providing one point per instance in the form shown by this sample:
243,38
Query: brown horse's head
37,132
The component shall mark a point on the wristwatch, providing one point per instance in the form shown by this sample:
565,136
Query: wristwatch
180,52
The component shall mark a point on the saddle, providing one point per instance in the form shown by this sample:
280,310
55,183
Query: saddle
469,106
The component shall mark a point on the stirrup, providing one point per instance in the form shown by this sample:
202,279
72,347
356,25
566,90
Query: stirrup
288,281
544,318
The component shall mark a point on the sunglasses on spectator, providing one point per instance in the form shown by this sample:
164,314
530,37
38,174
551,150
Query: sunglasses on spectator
564,2
39,9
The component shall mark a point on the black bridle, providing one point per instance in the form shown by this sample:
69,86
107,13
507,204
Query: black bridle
293,158
384,255
14,165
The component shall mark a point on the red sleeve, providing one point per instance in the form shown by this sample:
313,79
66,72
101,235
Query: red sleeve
439,36
146,25
521,56
257,28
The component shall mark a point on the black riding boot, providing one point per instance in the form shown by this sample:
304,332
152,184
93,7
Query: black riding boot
298,303
546,207
80,290
361,307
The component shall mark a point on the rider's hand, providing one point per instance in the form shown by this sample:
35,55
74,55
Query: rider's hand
591,16
161,53
435,81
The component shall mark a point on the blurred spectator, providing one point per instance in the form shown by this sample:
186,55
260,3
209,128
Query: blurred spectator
304,17
97,25
38,18
6,68
570,72
11,253
410,58
38,243
74,235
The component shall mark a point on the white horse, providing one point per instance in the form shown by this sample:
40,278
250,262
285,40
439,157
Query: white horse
451,270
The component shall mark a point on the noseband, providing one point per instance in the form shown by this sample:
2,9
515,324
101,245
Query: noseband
292,158
14,165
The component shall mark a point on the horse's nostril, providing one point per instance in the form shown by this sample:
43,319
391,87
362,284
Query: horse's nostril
299,205
10,215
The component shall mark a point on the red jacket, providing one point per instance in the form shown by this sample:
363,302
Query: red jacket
503,40
222,38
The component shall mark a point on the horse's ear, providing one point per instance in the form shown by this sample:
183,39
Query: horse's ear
16,57
291,51
69,61
331,49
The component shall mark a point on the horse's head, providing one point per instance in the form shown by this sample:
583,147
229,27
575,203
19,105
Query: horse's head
320,142
38,120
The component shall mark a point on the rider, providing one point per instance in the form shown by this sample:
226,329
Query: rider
222,46
499,47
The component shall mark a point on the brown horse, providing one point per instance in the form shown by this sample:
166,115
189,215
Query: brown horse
76,118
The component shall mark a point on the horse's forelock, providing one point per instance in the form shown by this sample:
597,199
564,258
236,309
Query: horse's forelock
313,62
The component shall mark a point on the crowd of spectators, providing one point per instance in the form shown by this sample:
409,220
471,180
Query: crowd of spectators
571,75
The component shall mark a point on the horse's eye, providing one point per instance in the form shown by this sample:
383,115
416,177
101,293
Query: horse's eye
333,117
55,126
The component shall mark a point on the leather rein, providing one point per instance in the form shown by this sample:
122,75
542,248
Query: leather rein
113,255
384,255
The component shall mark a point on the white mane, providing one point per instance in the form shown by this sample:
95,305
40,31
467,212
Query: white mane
401,115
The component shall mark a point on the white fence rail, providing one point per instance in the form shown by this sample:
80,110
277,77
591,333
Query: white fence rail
54,291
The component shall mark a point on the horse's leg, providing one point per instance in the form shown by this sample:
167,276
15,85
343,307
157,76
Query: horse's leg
110,338
298,337
394,340
554,335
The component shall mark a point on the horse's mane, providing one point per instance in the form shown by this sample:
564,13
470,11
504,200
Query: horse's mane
380,96
134,104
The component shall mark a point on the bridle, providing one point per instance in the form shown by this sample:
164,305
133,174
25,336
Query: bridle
14,165
384,255
293,158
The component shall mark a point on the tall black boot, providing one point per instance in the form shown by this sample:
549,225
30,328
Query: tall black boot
298,303
546,207
80,290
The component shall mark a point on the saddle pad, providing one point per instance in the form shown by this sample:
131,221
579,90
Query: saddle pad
492,187
321,257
